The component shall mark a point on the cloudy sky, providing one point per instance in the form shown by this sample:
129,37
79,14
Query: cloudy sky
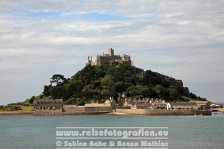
182,39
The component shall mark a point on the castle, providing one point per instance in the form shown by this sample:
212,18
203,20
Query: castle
110,58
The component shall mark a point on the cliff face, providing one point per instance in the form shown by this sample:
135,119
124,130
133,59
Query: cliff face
104,81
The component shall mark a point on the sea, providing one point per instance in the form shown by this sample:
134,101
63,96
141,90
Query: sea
39,132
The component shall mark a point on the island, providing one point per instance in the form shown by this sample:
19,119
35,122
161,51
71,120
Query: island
110,84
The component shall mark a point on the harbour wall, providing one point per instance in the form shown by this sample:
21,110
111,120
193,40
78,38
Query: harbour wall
47,112
162,112
79,110
75,110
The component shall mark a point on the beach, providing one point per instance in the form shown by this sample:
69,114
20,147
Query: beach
220,109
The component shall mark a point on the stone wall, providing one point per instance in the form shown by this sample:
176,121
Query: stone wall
47,112
173,112
161,112
133,111
73,109
98,109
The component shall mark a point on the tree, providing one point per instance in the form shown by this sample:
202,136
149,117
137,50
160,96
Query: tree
105,81
46,91
32,99
57,79
173,94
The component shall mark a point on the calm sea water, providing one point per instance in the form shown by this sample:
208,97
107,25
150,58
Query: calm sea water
38,132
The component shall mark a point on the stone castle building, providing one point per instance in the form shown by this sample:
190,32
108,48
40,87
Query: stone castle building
110,58
48,107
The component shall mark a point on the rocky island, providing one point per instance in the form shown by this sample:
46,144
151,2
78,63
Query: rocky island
111,84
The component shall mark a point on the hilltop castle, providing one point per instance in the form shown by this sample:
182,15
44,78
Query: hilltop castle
110,58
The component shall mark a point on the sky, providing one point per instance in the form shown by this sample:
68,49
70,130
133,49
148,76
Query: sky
178,38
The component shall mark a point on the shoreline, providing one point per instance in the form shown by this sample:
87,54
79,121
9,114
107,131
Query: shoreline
6,113
221,110
32,113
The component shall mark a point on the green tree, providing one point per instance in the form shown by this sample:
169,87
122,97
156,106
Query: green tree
57,79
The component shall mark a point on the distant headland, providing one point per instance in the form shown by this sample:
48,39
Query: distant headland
111,84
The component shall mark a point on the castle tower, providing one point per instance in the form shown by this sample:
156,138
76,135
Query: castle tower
89,61
111,52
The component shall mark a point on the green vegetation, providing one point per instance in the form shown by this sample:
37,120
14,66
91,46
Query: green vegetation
104,81
10,108
19,106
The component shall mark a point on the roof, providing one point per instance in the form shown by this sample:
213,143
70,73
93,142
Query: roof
44,101
200,102
183,104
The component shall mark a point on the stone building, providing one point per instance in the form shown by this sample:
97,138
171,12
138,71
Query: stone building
48,107
202,105
161,105
145,103
184,105
110,58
